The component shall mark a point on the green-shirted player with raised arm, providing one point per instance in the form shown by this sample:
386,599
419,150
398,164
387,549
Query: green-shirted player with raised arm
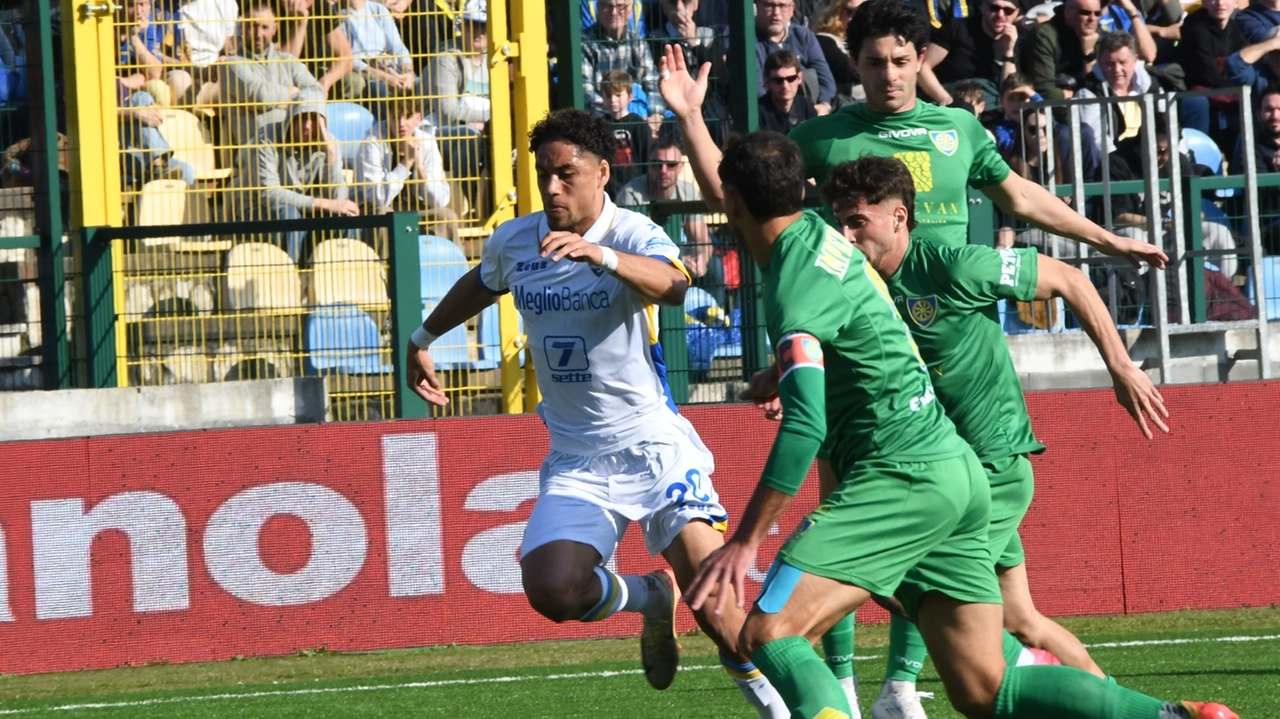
909,519
947,151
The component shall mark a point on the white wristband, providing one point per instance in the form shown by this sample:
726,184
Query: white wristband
608,260
422,338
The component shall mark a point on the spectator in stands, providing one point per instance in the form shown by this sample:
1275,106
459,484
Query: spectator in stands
315,36
381,60
143,49
638,22
611,45
662,182
399,168
1015,92
1266,153
260,83
1257,65
208,29
831,29
970,95
1118,73
1209,36
700,44
980,47
1031,158
783,107
145,155
460,86
1259,20
1060,53
293,171
629,130
774,32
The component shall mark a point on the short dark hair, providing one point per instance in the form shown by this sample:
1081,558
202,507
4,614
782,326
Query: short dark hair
1113,41
576,127
969,91
766,170
780,59
668,136
1271,89
895,18
872,178
1016,80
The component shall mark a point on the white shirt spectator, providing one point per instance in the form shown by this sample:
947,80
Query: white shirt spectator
206,26
381,178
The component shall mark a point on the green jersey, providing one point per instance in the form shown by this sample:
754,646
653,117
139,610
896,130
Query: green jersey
948,296
849,369
946,150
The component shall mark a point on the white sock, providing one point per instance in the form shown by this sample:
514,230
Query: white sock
850,686
1025,658
898,687
644,594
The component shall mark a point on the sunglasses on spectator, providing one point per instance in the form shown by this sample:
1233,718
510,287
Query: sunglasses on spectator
669,164
1089,13
1002,9
781,79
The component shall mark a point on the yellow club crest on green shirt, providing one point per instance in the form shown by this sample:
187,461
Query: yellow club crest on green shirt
947,141
922,310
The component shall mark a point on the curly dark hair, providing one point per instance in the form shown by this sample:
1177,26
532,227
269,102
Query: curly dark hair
576,127
894,18
874,179
766,170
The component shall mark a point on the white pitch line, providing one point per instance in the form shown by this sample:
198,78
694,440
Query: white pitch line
508,680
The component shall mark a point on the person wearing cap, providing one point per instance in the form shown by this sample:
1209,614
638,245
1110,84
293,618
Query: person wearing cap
293,171
399,168
261,82
460,92
978,47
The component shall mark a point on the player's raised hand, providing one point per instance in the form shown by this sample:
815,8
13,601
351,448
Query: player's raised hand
682,92
1138,395
422,375
1135,251
724,572
569,245
762,390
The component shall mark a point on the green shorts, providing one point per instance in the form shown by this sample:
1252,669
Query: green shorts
1012,485
902,529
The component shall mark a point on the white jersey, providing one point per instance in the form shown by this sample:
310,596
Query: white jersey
594,341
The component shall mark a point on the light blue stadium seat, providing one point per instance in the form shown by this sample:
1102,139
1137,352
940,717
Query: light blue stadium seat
343,338
349,123
1204,150
441,265
1270,286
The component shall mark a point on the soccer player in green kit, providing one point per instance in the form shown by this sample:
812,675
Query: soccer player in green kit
909,518
947,151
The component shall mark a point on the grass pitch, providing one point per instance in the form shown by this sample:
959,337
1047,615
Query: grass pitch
1231,657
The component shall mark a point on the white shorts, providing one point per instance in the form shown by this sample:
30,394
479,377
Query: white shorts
663,483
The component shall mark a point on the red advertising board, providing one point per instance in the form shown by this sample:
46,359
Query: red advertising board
206,545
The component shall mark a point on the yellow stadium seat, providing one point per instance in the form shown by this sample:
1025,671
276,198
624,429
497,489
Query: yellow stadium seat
260,276
186,138
348,271
171,202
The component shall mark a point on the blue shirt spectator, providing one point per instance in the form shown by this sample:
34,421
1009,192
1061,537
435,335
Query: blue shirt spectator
774,32
1256,65
379,55
1258,20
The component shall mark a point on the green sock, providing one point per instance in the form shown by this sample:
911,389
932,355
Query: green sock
906,651
1057,692
807,686
1012,649
837,645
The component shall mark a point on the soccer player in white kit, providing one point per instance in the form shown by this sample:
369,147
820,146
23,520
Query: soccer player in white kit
586,277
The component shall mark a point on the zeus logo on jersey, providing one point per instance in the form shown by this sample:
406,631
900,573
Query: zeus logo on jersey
530,266
1010,267
902,134
558,299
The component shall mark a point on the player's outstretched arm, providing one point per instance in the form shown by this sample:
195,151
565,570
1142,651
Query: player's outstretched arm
1031,203
656,280
684,94
1133,388
466,299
